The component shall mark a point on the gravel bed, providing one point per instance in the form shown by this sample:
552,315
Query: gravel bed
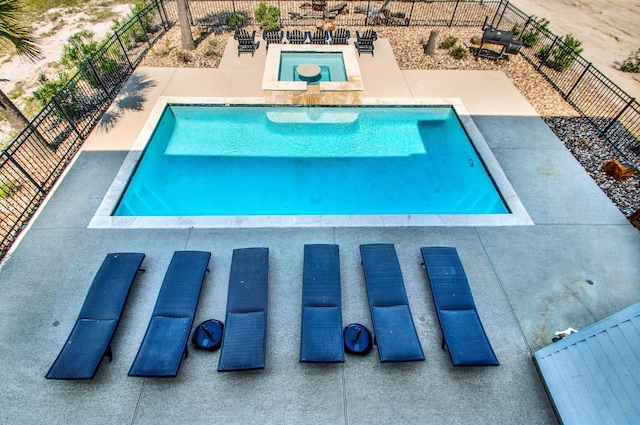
574,131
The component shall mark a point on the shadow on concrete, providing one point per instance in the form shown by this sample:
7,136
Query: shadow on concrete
131,98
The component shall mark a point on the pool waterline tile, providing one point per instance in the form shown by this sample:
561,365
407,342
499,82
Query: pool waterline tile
103,217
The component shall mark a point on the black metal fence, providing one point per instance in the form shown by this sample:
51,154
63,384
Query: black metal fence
351,13
31,164
613,113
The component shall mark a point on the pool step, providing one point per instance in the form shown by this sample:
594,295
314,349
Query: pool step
152,201
471,202
145,203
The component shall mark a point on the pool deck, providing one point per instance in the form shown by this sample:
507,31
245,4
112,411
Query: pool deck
577,264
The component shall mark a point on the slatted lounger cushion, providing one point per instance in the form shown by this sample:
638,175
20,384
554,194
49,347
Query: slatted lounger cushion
321,337
393,325
462,330
90,339
245,331
165,341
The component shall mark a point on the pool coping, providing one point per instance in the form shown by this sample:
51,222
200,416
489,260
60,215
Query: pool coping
103,219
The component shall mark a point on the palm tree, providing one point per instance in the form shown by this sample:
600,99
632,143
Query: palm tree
185,27
13,31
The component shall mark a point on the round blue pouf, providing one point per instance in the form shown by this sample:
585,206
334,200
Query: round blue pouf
357,339
208,335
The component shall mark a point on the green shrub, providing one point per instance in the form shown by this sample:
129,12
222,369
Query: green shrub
532,36
212,48
184,57
8,188
561,54
138,7
234,20
48,88
78,49
268,17
448,43
458,52
516,29
632,63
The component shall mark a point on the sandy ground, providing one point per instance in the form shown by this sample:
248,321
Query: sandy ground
17,70
609,31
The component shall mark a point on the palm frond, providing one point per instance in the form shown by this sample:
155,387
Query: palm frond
15,32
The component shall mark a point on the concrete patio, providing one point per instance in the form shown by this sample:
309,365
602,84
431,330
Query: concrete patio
577,264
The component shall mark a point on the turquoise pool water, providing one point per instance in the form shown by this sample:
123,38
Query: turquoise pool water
215,160
331,65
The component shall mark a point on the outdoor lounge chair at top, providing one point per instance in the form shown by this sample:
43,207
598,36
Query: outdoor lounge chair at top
318,36
246,42
272,37
364,42
341,36
462,330
394,330
296,37
165,341
321,329
90,339
245,332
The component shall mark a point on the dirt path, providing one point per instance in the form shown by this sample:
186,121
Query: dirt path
609,31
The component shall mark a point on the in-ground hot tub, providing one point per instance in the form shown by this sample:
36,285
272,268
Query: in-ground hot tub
340,82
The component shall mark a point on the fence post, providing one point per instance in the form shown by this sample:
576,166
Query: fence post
93,68
144,30
578,80
544,58
413,2
495,15
186,3
524,28
66,117
453,15
504,9
366,20
164,18
23,171
604,132
124,51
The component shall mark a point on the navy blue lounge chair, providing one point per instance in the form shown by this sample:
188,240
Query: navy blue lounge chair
245,329
321,334
90,339
393,326
165,341
462,330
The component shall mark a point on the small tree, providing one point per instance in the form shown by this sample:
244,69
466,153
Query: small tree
185,27
632,63
532,36
268,16
12,31
561,54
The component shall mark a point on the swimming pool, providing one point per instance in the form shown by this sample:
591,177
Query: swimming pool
331,65
270,161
